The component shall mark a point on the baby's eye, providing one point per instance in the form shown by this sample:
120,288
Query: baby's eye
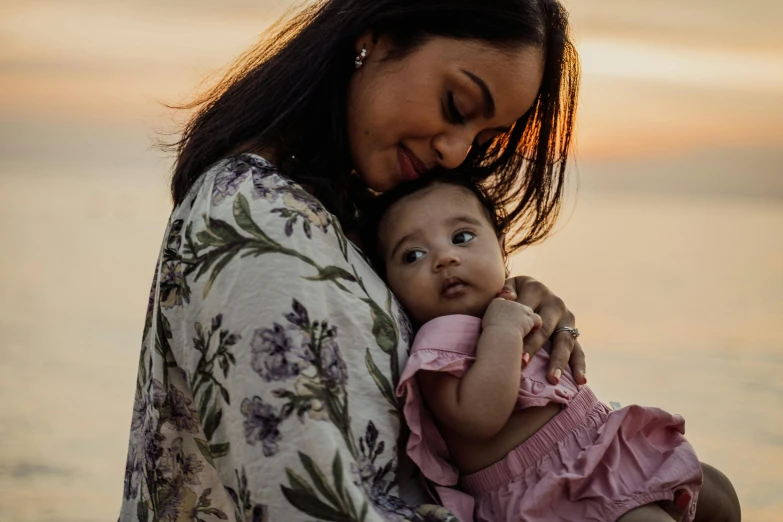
462,237
412,255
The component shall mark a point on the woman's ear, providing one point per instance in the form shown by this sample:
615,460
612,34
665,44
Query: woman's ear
372,44
366,41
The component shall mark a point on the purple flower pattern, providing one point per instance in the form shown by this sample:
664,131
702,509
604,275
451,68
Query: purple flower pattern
173,288
298,203
178,410
333,367
276,357
176,463
378,481
262,423
228,180
153,442
133,469
171,282
406,329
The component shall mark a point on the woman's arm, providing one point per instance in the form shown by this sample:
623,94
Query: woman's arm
266,378
554,315
478,405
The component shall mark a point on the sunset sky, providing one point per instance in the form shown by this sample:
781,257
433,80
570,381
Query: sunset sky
662,78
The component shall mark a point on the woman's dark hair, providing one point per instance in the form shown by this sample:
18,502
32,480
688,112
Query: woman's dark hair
288,94
373,214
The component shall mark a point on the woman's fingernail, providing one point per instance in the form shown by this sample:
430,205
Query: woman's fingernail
558,373
683,500
526,358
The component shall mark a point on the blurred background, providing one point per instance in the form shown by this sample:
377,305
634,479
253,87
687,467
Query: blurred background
670,251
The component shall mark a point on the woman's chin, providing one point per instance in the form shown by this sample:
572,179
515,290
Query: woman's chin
381,186
379,180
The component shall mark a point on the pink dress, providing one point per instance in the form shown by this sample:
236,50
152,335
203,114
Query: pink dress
589,463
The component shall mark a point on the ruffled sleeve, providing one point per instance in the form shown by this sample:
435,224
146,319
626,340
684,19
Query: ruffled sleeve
446,344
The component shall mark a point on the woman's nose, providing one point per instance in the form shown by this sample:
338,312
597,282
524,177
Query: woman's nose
452,148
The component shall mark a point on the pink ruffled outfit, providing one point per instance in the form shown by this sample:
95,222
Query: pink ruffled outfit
588,463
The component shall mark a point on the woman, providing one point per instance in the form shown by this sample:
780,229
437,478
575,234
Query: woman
271,349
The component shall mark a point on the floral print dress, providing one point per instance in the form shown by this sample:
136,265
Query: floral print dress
269,360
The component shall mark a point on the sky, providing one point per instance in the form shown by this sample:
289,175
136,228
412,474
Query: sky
697,83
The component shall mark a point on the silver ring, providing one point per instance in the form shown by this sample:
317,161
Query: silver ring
573,331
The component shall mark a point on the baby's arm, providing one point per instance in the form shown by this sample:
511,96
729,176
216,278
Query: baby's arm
478,405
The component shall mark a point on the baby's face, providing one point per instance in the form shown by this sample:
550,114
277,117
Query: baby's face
442,254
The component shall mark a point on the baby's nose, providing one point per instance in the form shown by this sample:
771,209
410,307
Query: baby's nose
449,258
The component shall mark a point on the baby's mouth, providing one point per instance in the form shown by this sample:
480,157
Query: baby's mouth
453,287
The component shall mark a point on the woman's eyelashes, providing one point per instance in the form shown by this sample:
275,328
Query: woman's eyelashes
451,111
453,115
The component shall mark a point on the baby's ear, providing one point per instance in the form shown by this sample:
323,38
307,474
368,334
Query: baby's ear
502,243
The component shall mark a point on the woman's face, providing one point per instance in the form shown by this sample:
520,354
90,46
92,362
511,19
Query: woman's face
408,115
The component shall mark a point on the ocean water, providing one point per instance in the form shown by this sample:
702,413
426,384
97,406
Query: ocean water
678,300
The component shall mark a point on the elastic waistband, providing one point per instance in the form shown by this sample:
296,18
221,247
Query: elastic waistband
533,449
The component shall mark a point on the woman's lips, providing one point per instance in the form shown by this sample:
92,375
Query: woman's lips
410,166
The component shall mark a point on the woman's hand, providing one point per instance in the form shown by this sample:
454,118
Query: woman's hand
554,315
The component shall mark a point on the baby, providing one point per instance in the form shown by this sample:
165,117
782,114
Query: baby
496,440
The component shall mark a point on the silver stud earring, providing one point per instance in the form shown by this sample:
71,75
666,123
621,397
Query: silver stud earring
359,61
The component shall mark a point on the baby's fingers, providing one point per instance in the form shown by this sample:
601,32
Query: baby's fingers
507,294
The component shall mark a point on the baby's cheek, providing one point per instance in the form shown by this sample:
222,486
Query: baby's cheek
486,299
395,282
403,295
496,280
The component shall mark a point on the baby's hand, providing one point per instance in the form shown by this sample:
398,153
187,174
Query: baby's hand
508,314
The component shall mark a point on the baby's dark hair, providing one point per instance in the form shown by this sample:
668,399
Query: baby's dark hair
374,210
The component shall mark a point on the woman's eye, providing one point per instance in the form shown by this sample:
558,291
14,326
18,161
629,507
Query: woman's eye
452,113
462,237
412,255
